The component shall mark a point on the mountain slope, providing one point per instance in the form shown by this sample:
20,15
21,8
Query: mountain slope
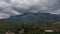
34,17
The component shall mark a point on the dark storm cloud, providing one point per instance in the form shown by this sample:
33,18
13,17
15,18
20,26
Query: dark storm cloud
16,7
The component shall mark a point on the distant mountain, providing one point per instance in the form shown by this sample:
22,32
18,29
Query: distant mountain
34,17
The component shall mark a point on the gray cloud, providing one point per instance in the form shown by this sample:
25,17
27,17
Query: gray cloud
16,7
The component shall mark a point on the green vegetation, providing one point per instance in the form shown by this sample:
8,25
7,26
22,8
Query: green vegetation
30,26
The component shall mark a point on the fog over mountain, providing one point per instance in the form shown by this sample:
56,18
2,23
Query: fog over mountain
16,7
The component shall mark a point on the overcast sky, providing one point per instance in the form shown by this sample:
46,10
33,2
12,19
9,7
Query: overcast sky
17,7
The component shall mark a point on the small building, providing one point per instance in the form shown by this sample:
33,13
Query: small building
49,31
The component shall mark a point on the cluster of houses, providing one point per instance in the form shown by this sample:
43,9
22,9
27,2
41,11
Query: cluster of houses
22,32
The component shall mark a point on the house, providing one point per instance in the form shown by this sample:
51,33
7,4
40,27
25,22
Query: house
49,31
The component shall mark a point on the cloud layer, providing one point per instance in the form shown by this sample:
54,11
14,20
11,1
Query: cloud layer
16,7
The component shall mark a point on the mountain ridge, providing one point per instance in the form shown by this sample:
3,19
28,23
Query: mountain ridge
34,17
